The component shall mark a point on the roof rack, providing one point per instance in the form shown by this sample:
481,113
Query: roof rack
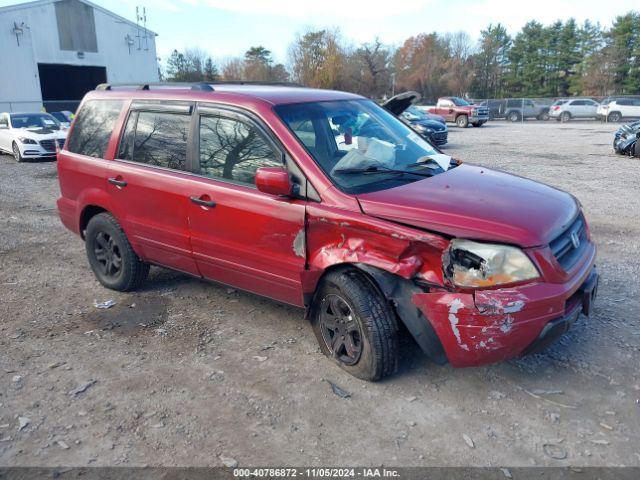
201,86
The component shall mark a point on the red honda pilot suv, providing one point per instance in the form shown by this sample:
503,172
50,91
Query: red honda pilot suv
326,201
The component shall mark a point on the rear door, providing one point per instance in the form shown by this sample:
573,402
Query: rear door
240,236
148,182
445,108
576,108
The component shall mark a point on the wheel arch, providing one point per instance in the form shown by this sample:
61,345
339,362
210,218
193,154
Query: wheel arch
397,291
87,213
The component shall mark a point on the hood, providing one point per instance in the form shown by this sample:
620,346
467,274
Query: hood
477,203
41,133
433,124
401,102
438,118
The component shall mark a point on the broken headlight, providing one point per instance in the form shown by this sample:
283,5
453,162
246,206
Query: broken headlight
473,264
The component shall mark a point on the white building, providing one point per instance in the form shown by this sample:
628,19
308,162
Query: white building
53,51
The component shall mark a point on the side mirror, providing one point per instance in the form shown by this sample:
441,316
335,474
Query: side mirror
274,181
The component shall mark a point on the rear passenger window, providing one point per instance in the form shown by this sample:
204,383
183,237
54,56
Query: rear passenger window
93,127
155,138
233,150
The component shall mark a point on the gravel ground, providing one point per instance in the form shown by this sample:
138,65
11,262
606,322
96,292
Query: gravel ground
186,372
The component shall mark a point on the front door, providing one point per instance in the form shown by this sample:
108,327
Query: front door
148,184
240,236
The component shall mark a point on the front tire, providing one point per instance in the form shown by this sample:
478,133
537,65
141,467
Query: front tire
462,121
355,325
16,152
113,261
477,124
513,117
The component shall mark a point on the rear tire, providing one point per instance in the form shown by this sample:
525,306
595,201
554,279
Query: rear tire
113,261
462,121
565,116
544,116
16,152
355,325
614,117
477,124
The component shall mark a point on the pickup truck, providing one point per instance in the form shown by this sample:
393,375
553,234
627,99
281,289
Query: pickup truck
457,110
515,109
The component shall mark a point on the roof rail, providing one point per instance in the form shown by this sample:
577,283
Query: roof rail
202,86
258,82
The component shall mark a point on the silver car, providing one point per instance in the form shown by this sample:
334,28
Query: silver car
574,108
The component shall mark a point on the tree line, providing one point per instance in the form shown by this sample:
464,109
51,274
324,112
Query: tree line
557,60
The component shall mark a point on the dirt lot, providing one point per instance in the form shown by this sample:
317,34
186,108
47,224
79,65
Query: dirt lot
187,372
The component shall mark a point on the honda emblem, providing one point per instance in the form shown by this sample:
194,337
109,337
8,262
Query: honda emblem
575,239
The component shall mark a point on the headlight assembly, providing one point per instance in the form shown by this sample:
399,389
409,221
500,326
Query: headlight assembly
27,141
474,265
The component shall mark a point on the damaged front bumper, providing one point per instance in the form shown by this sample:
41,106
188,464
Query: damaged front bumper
488,326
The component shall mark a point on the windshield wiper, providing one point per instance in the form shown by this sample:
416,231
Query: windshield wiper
379,169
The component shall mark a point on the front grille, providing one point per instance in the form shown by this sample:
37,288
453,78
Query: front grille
439,136
60,143
564,246
48,145
482,111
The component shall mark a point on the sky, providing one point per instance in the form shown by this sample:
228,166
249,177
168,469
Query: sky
227,28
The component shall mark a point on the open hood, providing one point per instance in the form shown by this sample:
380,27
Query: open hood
401,102
477,203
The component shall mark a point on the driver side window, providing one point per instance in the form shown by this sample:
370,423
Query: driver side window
233,150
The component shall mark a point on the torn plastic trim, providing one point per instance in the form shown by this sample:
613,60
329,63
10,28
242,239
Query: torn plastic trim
399,291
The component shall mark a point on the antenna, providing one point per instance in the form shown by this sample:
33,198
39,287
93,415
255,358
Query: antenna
144,23
138,18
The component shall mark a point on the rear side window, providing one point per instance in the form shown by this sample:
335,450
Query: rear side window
155,138
93,127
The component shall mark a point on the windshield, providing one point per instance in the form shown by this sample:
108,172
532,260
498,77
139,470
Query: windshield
60,116
34,120
360,146
459,102
416,112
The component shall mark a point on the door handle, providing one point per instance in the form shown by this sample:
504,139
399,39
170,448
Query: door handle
204,203
117,183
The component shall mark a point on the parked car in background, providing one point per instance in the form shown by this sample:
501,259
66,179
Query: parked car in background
574,108
65,117
620,108
218,181
626,138
30,135
431,127
461,112
516,109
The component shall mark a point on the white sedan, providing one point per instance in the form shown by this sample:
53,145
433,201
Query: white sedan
31,135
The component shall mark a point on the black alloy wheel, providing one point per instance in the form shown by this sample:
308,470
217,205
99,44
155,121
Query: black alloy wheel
341,331
107,253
